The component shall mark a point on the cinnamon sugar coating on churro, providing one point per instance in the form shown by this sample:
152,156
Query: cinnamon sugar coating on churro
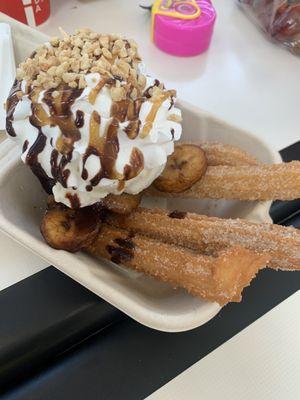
221,278
261,182
225,154
211,234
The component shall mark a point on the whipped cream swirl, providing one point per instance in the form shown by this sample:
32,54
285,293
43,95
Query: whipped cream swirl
82,145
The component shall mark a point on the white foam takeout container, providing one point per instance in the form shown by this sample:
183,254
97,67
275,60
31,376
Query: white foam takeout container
155,304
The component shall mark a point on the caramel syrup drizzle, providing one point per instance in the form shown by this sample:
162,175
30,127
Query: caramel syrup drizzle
135,166
106,147
153,112
133,128
95,91
61,116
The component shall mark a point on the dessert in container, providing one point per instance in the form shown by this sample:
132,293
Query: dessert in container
22,202
87,119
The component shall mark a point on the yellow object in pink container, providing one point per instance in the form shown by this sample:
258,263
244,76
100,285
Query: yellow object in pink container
183,28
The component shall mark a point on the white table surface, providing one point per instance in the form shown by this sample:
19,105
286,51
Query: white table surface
261,362
243,78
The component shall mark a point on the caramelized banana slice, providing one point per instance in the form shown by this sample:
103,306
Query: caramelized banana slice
185,167
70,230
122,204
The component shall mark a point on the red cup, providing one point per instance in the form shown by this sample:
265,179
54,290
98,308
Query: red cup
30,12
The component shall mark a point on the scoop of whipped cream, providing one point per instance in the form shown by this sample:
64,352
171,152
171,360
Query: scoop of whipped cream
84,146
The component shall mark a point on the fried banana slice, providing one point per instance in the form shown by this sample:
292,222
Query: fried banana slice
122,204
70,230
184,167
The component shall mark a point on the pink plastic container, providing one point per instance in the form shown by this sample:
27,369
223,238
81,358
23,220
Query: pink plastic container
185,37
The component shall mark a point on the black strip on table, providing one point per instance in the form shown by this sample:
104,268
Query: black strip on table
129,361
291,152
283,210
42,316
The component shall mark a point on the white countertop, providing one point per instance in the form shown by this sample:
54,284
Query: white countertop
243,78
269,371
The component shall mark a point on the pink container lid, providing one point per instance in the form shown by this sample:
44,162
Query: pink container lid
185,37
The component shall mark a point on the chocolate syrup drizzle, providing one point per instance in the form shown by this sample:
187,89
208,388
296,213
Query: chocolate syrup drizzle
136,164
147,91
62,116
133,128
32,161
11,104
122,250
177,214
25,146
172,102
106,147
74,200
79,120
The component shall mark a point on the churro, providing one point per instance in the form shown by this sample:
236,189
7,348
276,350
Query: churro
123,203
251,182
225,154
211,234
221,278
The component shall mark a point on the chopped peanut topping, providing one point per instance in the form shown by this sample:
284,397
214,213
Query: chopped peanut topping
68,60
